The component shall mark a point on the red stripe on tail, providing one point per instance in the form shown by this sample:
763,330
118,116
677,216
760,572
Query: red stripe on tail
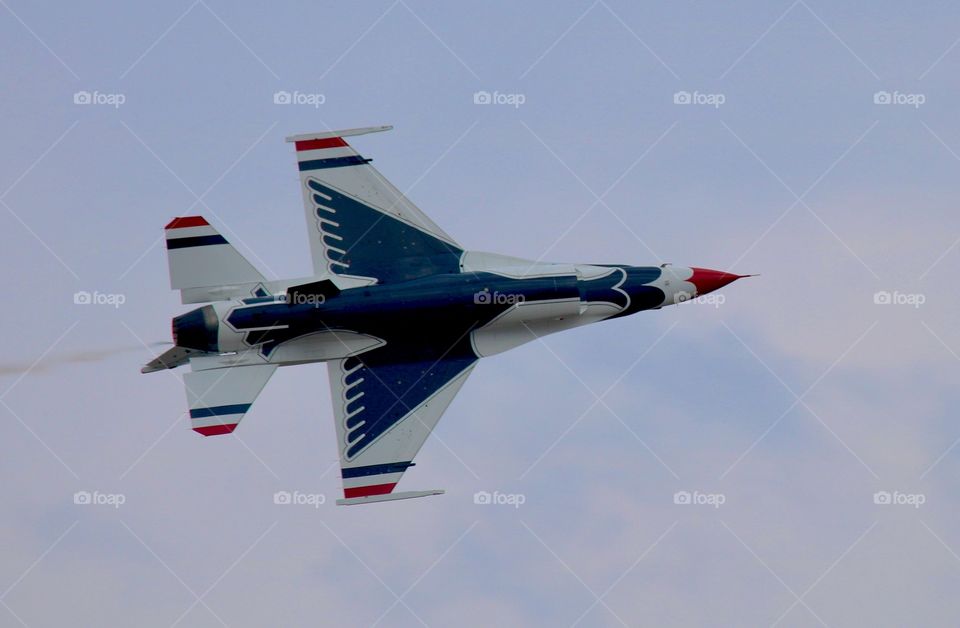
215,430
330,142
363,491
187,221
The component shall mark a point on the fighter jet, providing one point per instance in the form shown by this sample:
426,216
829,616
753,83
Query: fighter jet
398,310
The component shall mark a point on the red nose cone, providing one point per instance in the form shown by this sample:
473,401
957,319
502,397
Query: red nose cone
707,280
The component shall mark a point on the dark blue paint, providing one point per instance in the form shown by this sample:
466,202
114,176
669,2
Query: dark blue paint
375,469
642,296
182,243
236,408
604,289
390,391
333,162
377,244
426,323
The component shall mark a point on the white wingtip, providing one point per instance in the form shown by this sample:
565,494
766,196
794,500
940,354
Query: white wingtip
371,499
342,133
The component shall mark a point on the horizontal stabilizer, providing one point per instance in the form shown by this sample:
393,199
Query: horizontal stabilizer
370,499
200,257
171,358
218,398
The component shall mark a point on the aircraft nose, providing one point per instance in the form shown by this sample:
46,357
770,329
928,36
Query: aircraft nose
707,280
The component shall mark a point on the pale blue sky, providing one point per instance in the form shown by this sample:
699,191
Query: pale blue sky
799,175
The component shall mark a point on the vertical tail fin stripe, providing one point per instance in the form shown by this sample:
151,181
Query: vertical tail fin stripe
330,142
187,221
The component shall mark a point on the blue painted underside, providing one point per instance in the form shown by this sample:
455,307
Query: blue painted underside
333,162
432,315
375,469
236,408
426,324
183,243
377,244
385,392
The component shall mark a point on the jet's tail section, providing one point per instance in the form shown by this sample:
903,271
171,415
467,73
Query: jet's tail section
218,398
204,266
171,359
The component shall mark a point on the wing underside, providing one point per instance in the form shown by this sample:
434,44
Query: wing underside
358,223
219,398
384,411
